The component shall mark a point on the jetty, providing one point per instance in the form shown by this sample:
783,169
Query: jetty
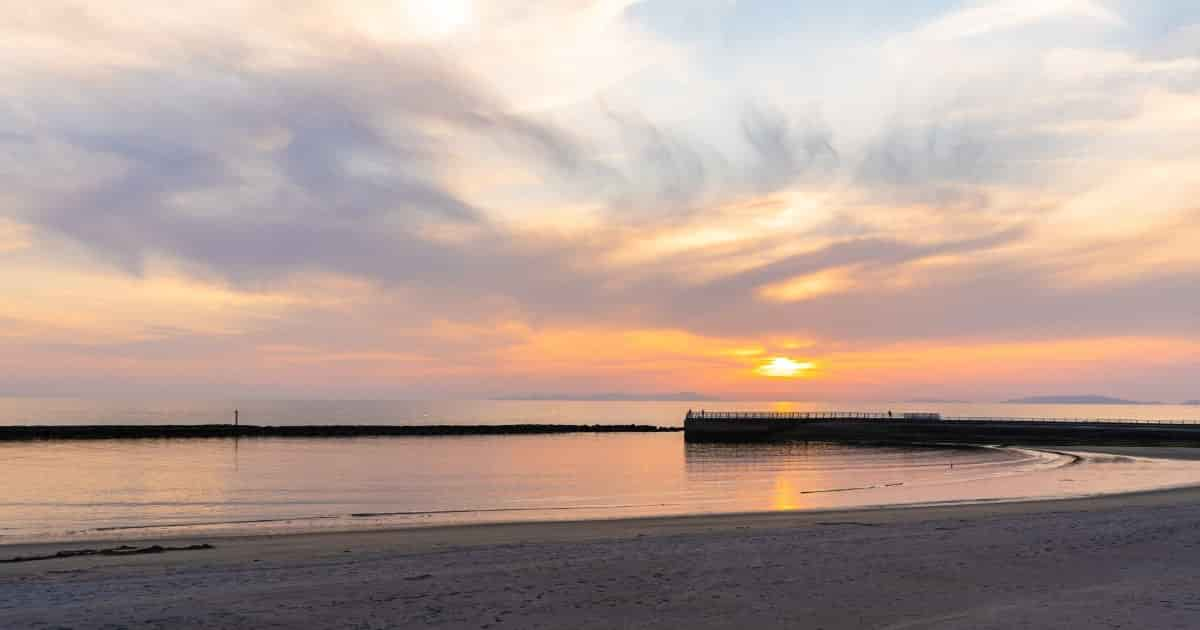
853,427
181,431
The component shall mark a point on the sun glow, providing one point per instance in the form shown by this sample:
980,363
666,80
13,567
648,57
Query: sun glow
783,367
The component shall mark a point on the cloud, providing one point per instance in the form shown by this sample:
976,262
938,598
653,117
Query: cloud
466,194
998,15
1073,64
786,151
354,162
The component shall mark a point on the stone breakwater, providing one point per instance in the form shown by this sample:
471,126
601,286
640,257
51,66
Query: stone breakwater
160,431
865,429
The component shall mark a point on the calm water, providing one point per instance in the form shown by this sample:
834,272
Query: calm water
151,488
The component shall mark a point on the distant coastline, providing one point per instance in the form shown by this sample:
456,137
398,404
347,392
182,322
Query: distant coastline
1077,400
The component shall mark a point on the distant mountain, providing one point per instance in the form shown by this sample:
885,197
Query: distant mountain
1192,402
617,396
1077,400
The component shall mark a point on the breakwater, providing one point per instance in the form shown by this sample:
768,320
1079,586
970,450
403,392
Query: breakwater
180,431
905,429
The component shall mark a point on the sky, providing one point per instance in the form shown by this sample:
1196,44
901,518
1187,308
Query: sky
863,200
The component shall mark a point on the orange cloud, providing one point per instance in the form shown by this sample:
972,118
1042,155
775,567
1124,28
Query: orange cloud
809,286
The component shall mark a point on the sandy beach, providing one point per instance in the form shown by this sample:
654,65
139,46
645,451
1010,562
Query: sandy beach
1115,561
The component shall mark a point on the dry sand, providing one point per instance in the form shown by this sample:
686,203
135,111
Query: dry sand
1126,561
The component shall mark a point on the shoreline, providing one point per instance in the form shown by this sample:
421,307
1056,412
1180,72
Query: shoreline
1112,561
419,539
1100,561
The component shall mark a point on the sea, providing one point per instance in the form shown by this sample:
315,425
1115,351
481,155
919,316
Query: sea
162,488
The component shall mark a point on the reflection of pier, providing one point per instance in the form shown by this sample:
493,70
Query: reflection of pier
910,428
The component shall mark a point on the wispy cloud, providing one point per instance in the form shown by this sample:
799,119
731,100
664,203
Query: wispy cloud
998,15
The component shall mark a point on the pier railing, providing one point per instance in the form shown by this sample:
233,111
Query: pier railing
787,415
885,417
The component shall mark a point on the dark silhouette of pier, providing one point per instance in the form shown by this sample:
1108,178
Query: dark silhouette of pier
917,428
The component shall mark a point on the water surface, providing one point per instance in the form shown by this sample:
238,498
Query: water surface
152,488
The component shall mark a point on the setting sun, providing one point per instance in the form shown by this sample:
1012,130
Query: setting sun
783,367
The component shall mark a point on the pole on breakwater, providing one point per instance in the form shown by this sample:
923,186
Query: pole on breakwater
235,417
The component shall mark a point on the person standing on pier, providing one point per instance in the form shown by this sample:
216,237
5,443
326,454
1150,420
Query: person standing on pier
235,417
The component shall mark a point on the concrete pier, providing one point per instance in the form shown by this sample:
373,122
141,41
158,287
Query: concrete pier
926,428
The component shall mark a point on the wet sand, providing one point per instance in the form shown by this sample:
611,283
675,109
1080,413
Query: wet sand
1116,561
